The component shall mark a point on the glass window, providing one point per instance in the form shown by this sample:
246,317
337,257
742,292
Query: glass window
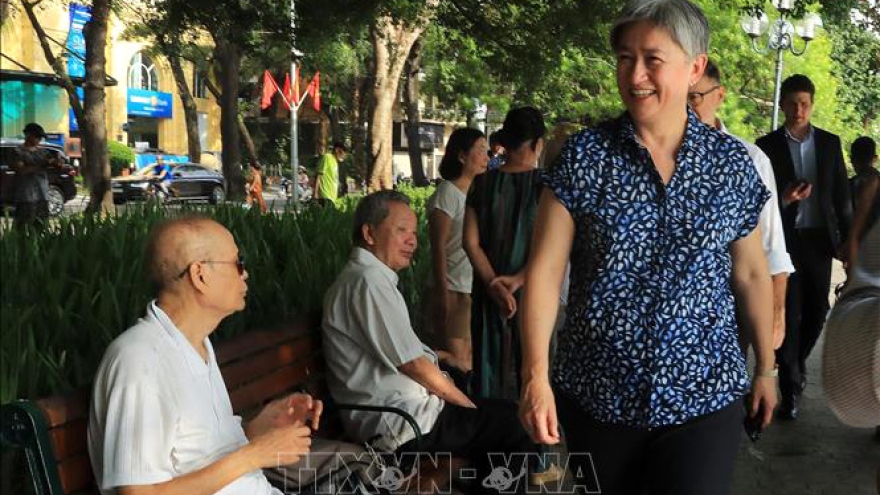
142,73
199,90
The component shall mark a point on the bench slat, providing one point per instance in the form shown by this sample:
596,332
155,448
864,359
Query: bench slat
70,439
269,386
238,372
61,409
76,474
257,340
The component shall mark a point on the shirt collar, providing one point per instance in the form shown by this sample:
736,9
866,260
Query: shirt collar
364,257
195,362
807,137
693,133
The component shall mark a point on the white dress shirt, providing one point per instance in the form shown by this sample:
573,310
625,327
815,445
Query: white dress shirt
772,235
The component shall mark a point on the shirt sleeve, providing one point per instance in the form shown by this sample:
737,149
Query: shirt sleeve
573,181
387,329
754,194
446,202
138,432
772,235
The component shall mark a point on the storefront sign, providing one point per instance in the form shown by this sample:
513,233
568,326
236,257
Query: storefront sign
76,47
143,103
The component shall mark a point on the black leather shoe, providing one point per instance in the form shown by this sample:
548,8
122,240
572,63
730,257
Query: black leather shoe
788,409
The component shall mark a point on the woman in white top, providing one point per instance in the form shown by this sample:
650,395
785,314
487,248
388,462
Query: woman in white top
466,157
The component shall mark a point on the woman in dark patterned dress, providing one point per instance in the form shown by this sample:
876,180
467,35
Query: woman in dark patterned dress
497,230
658,214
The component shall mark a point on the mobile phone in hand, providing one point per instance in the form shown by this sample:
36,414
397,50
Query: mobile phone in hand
802,183
753,424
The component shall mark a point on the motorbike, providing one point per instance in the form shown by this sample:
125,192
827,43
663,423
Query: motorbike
303,189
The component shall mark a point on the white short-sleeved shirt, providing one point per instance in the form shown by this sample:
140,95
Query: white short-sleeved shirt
159,411
367,335
772,235
450,200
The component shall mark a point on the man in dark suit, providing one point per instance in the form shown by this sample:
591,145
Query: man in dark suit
816,215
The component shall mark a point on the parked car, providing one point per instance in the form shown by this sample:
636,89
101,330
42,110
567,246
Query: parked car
61,183
188,181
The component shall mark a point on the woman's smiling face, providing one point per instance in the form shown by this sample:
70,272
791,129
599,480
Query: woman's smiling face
654,73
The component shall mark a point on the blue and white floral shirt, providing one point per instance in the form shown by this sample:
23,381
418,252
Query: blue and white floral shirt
651,336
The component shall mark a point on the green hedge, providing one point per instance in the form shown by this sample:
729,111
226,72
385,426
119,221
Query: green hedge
120,156
67,292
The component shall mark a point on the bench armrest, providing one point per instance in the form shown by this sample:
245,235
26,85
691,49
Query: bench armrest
24,427
400,412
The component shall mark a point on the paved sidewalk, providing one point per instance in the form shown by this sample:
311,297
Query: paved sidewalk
815,455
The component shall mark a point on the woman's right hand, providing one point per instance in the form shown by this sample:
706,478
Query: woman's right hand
537,411
503,297
284,445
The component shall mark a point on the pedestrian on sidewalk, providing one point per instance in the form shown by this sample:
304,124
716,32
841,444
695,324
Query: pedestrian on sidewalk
255,187
31,165
658,214
465,158
498,225
816,210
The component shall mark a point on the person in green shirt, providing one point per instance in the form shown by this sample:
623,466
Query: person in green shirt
327,181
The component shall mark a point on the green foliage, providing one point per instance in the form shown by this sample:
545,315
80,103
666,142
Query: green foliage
62,305
856,53
120,156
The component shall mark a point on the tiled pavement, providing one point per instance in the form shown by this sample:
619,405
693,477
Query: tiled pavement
815,455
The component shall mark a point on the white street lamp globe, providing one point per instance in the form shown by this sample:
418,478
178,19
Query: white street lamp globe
807,27
783,5
754,26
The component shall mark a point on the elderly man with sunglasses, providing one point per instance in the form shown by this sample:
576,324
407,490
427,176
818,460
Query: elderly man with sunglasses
161,420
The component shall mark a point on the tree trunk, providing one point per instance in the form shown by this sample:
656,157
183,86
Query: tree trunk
242,128
229,58
392,41
94,124
358,135
246,139
413,117
190,113
56,63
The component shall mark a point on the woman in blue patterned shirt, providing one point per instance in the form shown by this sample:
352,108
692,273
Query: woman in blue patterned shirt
658,214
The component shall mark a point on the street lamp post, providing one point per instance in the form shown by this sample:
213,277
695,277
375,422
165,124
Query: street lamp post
295,56
780,38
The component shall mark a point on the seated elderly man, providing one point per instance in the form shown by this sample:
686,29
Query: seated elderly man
374,356
161,420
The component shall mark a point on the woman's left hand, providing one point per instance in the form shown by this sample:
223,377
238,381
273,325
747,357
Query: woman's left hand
763,398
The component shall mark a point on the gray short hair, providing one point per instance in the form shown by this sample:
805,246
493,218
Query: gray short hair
685,22
372,210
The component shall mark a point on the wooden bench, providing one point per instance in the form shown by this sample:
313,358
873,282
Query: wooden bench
257,367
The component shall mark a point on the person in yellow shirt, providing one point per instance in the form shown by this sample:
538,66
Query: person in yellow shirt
327,181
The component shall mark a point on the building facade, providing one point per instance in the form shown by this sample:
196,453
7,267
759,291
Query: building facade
142,103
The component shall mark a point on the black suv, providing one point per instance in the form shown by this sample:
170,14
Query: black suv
61,186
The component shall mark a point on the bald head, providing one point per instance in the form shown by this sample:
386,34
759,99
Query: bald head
174,244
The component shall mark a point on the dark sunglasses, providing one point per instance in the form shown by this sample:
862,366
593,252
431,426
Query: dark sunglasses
239,265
